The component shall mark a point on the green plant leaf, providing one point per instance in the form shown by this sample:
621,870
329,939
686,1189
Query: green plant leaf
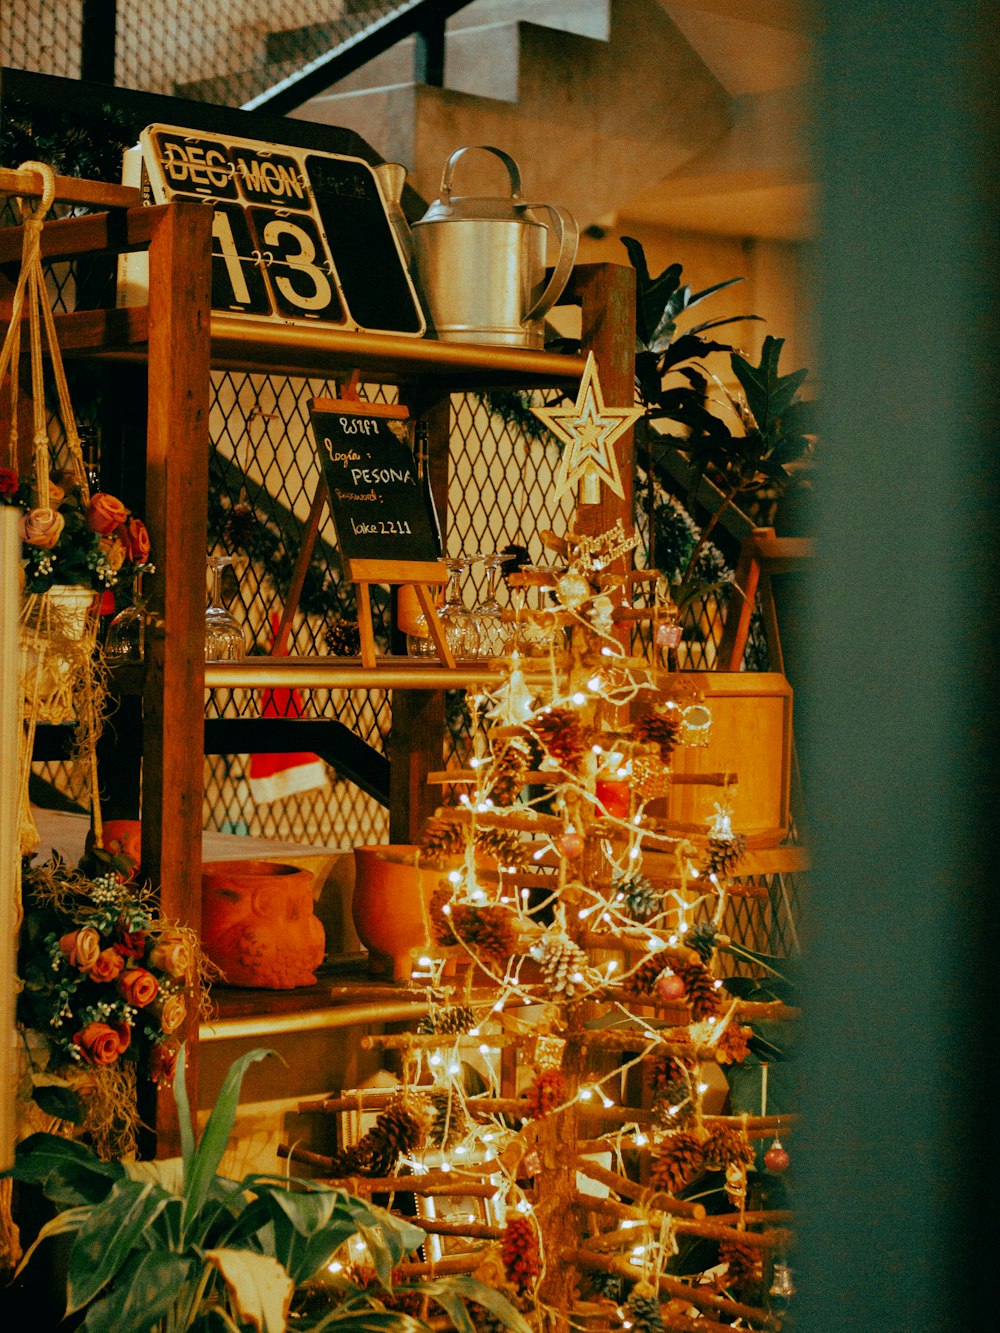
370,1321
183,1110
261,1289
168,1172
60,1103
67,1171
201,1167
113,1230
146,1288
70,1219
776,966
471,1289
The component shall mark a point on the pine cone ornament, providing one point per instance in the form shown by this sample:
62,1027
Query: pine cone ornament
663,1071
560,732
506,777
702,993
521,1259
701,938
642,1310
343,637
441,921
504,845
673,1106
398,1132
448,1021
641,899
240,525
610,1286
564,966
745,1268
677,1162
724,855
488,931
442,839
450,1123
733,1046
660,728
546,1093
642,981
727,1147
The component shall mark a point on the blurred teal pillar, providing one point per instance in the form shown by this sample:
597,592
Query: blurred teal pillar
895,1166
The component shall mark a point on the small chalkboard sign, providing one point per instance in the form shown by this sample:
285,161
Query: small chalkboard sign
381,511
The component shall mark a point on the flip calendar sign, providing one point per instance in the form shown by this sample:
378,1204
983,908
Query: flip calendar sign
298,236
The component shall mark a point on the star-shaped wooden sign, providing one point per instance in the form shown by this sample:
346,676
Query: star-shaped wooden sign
589,430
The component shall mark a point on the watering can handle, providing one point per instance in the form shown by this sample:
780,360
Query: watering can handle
569,237
512,169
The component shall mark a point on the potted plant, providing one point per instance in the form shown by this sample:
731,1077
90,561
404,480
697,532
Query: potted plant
161,1247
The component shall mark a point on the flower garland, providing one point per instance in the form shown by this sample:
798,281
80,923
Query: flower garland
106,987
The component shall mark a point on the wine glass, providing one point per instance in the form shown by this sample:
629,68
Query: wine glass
126,639
224,638
494,634
461,629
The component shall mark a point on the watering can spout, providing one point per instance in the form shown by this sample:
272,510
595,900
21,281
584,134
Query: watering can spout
392,178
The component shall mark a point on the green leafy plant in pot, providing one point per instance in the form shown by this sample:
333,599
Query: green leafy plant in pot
166,1246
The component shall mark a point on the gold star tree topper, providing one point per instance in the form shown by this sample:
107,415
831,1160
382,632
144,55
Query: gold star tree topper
589,430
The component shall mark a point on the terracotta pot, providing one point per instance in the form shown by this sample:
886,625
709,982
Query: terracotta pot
120,835
390,906
258,926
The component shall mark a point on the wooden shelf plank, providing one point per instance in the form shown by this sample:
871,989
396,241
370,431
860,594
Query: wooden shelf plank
121,335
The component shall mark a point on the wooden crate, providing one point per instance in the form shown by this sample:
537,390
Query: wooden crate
751,735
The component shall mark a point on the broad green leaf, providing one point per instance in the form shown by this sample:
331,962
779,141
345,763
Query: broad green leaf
67,1172
261,1289
200,1170
70,1219
146,1288
370,1321
184,1122
59,1102
471,1289
113,1231
168,1173
381,1257
778,967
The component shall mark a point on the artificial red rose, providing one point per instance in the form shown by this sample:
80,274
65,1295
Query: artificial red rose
138,987
131,944
108,966
136,540
105,513
82,947
114,552
102,1043
42,527
162,1062
9,481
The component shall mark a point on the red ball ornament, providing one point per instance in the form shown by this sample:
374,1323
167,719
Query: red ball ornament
776,1158
615,797
571,845
669,987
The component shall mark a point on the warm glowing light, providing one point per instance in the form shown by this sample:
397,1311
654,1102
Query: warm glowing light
435,1059
424,962
579,698
594,683
454,877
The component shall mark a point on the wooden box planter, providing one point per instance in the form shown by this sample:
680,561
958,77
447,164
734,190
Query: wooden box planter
751,736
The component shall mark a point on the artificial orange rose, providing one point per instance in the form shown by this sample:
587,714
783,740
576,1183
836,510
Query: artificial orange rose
105,513
138,987
114,552
102,1043
82,947
172,953
42,527
136,540
56,495
107,966
171,1009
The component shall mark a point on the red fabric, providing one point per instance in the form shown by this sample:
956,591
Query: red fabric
273,777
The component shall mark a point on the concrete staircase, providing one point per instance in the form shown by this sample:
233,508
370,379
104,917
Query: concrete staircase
595,100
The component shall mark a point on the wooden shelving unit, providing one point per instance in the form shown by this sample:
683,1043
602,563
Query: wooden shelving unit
181,340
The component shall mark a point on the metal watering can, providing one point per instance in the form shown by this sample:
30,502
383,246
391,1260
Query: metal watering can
480,262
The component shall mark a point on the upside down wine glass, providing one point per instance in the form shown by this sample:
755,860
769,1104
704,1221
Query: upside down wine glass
494,635
126,641
461,628
224,638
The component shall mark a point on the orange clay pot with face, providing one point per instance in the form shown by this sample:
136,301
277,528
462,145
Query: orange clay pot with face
258,924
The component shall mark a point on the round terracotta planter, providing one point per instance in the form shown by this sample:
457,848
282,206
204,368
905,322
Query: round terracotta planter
258,926
390,906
